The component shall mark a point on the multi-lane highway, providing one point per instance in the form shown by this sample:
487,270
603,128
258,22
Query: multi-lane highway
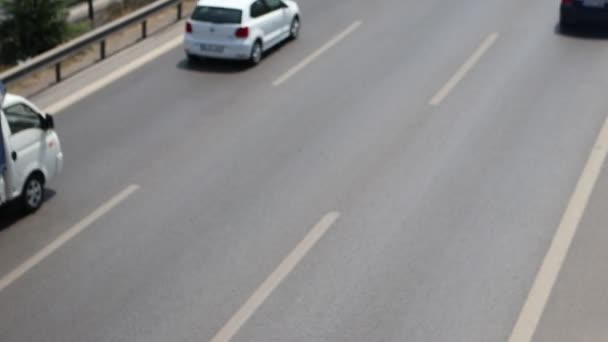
405,171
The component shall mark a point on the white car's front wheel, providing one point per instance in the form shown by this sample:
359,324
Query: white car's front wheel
294,30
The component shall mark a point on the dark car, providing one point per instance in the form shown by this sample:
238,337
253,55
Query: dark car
584,12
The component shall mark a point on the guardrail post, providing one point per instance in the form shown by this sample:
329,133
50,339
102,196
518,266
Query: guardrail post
144,29
102,49
179,11
58,72
91,11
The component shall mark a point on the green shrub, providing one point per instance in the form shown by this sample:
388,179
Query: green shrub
75,30
31,27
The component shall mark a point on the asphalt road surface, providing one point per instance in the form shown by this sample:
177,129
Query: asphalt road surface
399,173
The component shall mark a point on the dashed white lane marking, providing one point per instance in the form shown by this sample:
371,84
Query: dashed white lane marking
311,58
36,259
464,70
279,274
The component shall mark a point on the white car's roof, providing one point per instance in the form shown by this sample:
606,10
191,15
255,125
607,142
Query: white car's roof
236,4
11,100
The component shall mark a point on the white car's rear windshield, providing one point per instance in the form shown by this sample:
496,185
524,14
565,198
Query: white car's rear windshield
217,15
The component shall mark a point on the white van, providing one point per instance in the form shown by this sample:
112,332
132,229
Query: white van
30,151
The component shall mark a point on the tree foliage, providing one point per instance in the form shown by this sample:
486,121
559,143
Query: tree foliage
30,27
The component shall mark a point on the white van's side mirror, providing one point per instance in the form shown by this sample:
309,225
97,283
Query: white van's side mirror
47,122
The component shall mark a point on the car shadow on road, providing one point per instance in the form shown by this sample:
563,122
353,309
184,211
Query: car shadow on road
12,212
583,31
219,66
214,66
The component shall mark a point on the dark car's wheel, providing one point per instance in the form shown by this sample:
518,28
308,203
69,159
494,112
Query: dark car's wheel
256,53
192,59
294,30
566,27
566,22
33,193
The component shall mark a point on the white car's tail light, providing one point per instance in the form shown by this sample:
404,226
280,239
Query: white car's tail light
242,32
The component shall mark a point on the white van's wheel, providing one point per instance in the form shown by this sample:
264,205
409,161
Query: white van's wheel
33,194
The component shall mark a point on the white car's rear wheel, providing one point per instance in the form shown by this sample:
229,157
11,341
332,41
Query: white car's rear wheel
256,53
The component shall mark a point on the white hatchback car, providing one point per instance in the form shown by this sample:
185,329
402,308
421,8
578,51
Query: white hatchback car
240,29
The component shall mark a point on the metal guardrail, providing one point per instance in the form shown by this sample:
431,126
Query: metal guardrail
98,36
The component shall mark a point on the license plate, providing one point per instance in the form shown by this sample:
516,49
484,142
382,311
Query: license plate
594,3
212,48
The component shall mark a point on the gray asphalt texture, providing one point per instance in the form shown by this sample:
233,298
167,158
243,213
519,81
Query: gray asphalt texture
447,211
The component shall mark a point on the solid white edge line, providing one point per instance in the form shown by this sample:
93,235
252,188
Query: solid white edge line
464,69
113,76
537,299
312,57
280,273
37,258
